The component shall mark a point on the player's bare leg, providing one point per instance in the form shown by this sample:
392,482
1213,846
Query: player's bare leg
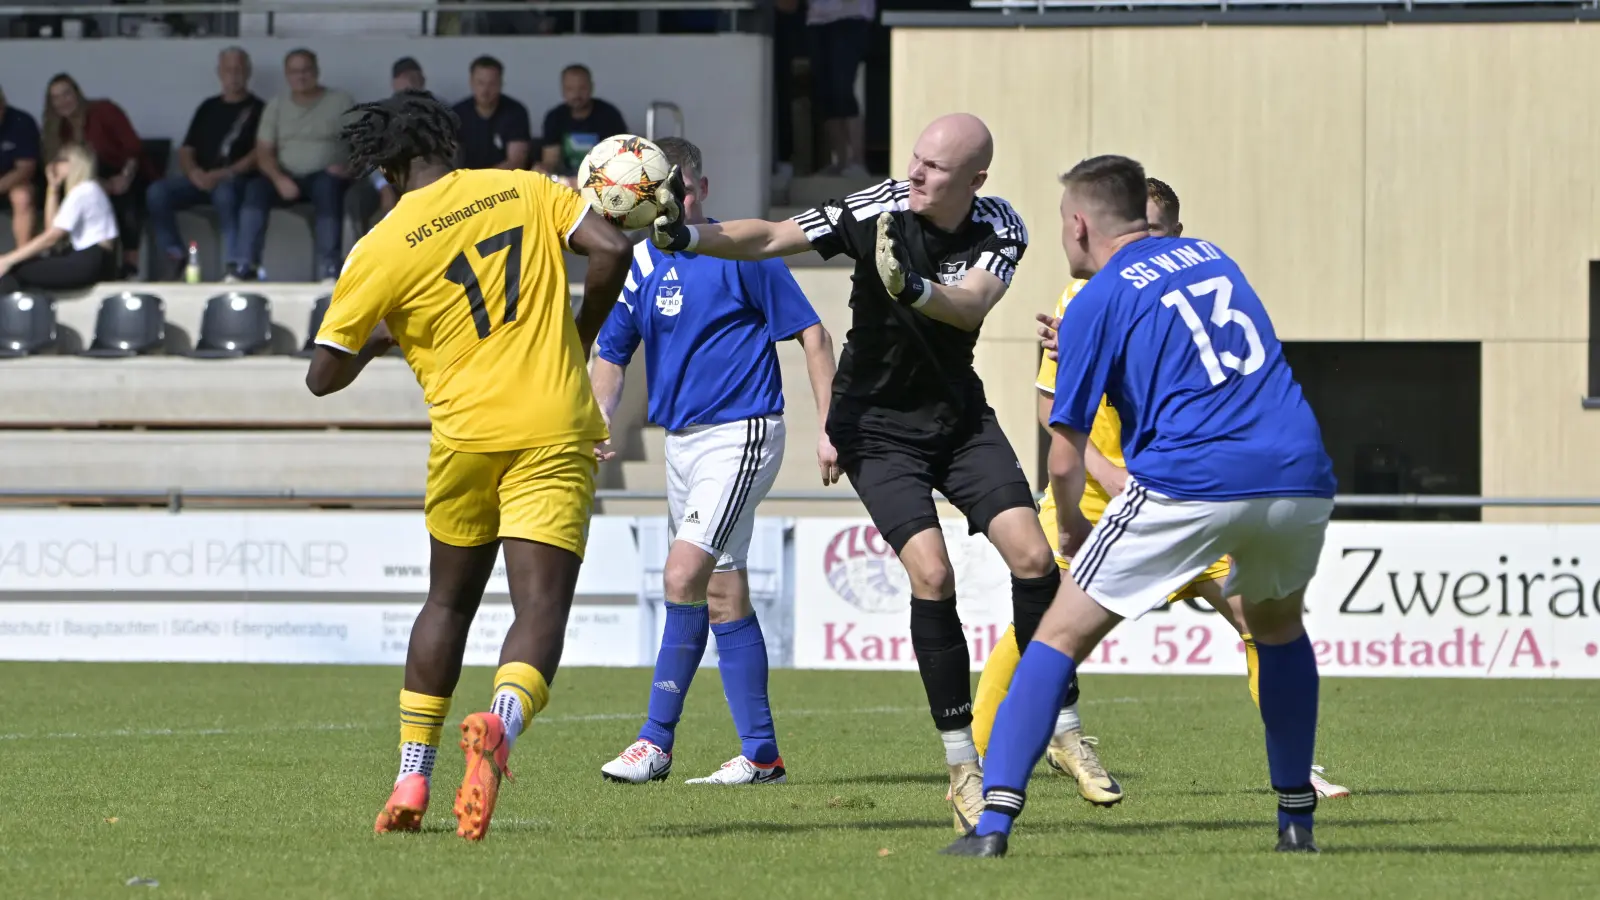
542,578
457,576
1070,630
1035,579
945,664
1289,693
1232,611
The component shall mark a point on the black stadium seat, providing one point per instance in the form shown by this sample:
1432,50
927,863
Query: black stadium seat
234,324
129,324
318,310
27,324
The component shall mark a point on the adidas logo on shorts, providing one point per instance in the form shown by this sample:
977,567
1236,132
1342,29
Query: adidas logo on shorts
692,518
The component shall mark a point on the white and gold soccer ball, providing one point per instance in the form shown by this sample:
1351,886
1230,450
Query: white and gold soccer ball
619,178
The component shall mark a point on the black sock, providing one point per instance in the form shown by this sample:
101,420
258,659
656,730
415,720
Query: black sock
1072,692
1030,597
943,660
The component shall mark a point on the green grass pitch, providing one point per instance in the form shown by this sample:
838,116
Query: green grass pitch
262,781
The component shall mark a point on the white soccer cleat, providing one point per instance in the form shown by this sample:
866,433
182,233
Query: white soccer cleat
641,763
1326,789
740,770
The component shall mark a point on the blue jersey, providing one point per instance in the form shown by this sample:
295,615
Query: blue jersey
1174,336
708,327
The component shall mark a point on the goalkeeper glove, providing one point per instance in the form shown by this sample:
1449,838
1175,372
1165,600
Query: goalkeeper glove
894,266
669,233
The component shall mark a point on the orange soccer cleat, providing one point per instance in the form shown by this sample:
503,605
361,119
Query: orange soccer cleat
406,805
483,739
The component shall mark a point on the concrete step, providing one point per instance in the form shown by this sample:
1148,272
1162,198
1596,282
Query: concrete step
815,190
643,475
65,391
654,440
305,461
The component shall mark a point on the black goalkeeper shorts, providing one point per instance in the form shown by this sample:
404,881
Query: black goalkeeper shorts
895,469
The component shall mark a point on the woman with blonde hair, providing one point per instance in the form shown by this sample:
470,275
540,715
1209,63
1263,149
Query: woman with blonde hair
78,210
102,126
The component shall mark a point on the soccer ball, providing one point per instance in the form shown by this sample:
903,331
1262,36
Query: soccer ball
619,178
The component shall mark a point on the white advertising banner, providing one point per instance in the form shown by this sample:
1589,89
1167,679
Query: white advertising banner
1413,599
292,552
315,587
205,631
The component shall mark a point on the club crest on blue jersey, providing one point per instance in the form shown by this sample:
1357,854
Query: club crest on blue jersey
669,299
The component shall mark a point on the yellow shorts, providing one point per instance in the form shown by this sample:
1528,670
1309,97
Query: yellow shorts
1217,572
543,494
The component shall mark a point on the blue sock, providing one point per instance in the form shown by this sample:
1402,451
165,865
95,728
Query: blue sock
742,657
1021,730
1289,712
683,643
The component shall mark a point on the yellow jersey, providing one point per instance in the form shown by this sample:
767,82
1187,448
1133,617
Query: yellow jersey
1105,434
468,275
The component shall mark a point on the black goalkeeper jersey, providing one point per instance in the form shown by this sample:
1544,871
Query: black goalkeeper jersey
895,358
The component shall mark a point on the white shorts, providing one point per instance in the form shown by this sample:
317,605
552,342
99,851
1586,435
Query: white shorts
1148,545
716,476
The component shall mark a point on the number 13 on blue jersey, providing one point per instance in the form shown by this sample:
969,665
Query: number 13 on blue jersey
1221,315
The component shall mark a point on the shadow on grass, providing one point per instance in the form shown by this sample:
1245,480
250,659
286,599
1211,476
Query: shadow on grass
895,778
1262,824
719,829
1477,849
884,778
736,828
1376,792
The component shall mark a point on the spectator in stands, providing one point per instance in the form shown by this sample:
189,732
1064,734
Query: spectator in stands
839,32
102,126
218,149
582,120
301,158
494,127
78,210
405,76
19,165
788,38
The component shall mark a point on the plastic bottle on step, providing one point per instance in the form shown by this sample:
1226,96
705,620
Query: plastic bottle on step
191,270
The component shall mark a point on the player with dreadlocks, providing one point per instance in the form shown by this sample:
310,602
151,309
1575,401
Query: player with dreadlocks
466,276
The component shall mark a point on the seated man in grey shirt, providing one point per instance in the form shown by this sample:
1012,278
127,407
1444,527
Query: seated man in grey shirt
300,158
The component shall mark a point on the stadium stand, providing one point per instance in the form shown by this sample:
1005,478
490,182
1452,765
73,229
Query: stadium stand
27,324
234,325
119,402
128,324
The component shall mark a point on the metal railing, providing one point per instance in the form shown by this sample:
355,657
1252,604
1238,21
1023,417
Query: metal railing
178,499
658,107
428,10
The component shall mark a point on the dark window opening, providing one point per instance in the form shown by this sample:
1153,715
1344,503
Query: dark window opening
1397,418
1591,400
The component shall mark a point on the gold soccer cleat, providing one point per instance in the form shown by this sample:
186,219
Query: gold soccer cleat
1072,754
966,795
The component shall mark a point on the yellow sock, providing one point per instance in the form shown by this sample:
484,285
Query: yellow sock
993,685
1253,665
522,683
422,718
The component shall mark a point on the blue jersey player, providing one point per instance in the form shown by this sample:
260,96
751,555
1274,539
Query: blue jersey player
1224,456
708,328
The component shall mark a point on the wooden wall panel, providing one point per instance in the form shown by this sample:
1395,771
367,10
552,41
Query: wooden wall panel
1538,441
1260,132
1032,88
1481,153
